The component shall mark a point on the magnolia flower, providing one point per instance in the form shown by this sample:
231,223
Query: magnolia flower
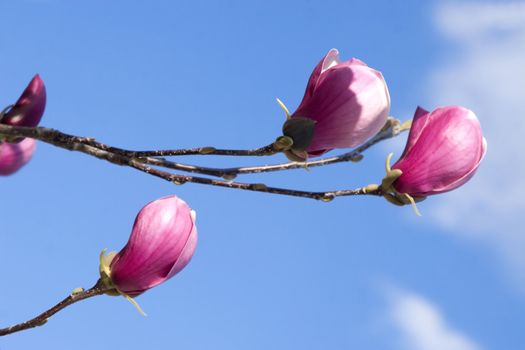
29,108
161,244
345,103
443,151
13,156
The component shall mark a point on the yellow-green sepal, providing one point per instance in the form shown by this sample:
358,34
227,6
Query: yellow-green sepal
391,194
105,272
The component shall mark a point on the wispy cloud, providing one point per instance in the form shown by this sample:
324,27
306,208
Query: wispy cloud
486,72
422,326
469,20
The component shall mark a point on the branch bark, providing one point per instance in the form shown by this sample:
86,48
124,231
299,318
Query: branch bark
392,129
124,157
41,319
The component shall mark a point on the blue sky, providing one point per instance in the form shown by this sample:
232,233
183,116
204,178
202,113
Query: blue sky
269,272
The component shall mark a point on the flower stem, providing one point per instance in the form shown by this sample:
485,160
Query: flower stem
41,319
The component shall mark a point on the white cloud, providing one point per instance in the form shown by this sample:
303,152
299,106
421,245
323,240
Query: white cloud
469,20
486,72
422,325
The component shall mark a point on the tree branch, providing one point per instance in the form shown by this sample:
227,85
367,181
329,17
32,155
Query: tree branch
391,129
41,319
263,151
120,157
257,187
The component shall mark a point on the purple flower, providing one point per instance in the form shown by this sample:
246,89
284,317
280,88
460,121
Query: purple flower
161,244
443,151
345,103
29,108
13,156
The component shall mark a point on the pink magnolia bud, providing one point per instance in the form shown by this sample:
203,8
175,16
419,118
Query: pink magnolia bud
13,156
162,243
443,151
29,108
348,102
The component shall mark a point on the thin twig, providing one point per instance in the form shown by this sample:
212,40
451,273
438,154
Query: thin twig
392,130
257,187
41,319
76,143
263,151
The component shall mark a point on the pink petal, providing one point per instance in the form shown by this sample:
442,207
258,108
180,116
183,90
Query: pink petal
331,58
418,123
13,156
29,108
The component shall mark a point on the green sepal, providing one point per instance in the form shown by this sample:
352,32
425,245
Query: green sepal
393,199
389,179
134,303
419,199
282,143
413,203
407,124
296,156
390,122
105,272
285,109
105,277
389,191
301,131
